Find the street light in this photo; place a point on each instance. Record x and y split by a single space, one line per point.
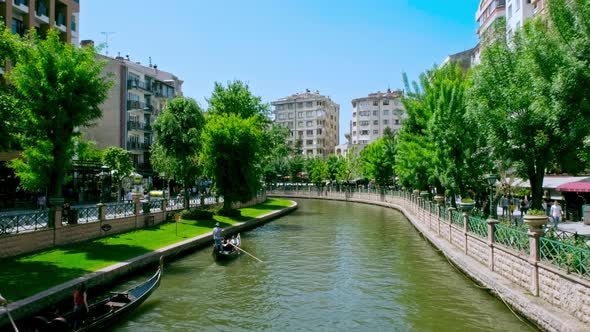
492 178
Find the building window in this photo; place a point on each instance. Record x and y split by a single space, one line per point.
385 112
354 123
376 122
290 124
282 116
291 133
385 122
510 11
291 115
309 114
320 113
299 114
309 104
309 142
353 114
364 123
385 102
290 106
375 131
300 124
309 123
300 105
375 103
517 5
375 113
354 133
354 105
319 131
309 132
300 133
279 108
396 121
18 28
364 132
365 113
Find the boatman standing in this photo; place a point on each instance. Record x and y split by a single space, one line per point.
217 236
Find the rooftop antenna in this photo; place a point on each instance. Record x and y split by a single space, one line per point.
107 34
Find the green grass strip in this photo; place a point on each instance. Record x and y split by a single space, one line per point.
27 275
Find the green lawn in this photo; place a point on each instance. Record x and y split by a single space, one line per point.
27 275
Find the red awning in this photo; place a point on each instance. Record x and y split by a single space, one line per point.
579 187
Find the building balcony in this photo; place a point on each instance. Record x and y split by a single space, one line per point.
133 145
136 105
137 84
136 125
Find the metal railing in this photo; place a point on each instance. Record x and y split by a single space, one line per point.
22 222
86 214
567 256
119 210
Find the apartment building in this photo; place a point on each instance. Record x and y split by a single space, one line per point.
489 14
136 98
372 114
311 118
517 11
42 15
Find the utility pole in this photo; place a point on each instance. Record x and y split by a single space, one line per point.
107 34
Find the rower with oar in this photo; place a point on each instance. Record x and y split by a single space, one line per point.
244 251
3 303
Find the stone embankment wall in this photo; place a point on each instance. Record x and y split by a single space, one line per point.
552 298
31 241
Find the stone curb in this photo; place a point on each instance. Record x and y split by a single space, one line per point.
33 304
542 314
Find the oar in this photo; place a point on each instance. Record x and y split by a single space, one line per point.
245 252
10 317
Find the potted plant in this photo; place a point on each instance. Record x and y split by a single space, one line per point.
439 199
467 204
535 218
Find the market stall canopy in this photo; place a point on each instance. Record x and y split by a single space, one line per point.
579 187
553 182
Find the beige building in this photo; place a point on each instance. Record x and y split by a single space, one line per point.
311 118
372 114
63 15
137 96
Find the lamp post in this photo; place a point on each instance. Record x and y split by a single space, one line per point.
491 179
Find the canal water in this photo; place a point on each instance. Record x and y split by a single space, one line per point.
328 266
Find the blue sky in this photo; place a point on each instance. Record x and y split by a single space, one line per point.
344 49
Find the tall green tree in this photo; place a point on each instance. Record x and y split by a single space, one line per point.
414 158
318 171
275 161
236 98
351 167
59 87
378 160
178 131
457 166
10 45
231 156
526 97
119 162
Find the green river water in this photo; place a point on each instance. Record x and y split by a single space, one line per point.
328 266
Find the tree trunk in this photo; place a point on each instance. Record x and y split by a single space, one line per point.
186 202
226 203
536 182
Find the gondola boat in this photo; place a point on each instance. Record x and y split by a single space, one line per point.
228 251
105 312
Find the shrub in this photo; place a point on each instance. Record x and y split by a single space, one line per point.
230 213
197 214
535 212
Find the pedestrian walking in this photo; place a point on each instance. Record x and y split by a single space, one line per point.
504 204
556 213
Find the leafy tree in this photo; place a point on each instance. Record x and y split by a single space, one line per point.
237 99
334 163
318 171
378 159
178 131
86 150
350 168
296 167
59 87
120 164
526 97
9 109
231 156
414 157
275 162
457 166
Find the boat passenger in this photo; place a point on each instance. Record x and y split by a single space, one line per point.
3 300
80 305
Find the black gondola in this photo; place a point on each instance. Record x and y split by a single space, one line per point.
105 312
228 251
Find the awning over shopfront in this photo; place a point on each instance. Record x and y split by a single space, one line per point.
579 187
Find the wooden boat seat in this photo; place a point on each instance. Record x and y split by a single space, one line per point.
115 305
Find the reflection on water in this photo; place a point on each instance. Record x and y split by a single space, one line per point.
329 266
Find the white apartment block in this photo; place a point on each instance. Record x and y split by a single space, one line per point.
517 11
488 13
312 118
372 114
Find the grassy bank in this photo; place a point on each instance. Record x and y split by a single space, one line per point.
24 276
